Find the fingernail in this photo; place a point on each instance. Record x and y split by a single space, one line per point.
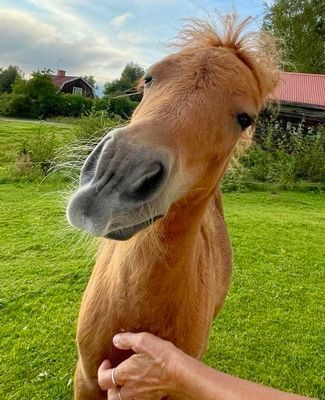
116 339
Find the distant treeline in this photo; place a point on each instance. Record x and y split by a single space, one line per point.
38 97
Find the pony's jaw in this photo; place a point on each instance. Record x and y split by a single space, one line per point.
124 187
128 232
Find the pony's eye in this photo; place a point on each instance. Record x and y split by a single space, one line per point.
147 80
244 120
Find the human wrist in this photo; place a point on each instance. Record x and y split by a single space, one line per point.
182 372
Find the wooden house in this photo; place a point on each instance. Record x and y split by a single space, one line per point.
72 84
301 96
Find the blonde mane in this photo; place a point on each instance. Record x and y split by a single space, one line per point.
255 49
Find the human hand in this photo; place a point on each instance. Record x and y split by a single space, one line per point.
151 373
159 369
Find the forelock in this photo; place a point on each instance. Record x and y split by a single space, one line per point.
255 49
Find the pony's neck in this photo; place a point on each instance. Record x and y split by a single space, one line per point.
170 245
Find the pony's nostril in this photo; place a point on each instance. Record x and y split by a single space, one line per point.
147 184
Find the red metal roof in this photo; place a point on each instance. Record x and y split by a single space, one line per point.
301 88
59 80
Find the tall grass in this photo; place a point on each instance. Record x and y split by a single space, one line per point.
287 156
278 156
95 124
281 156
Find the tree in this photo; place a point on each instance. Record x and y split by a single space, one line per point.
300 27
91 80
42 92
8 77
127 82
17 105
132 73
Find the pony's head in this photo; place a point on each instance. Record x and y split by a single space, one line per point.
197 104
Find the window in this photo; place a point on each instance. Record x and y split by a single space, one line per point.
77 90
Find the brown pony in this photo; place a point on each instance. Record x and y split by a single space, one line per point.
153 187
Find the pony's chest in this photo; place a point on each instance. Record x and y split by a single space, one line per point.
181 316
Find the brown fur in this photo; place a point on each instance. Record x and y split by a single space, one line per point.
172 278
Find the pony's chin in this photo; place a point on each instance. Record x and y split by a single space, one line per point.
127 233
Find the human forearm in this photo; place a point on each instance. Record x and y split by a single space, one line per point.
202 382
159 369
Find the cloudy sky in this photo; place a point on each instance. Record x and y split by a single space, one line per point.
98 37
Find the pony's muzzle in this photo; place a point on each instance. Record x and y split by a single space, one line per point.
135 172
119 181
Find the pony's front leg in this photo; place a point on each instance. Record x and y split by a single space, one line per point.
85 388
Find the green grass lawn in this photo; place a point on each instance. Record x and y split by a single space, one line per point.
271 329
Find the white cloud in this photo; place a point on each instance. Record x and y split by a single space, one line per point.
62 14
33 44
118 21
84 38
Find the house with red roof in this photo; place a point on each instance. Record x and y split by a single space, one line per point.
72 84
301 95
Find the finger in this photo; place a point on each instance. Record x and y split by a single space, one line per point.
137 342
105 375
112 394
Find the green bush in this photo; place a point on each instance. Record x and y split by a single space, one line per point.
71 105
309 156
8 77
280 157
287 156
235 179
101 104
121 106
36 157
17 105
38 98
42 91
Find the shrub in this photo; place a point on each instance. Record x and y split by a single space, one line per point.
121 106
42 91
235 179
308 154
38 154
287 156
280 157
38 97
71 105
101 104
17 105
